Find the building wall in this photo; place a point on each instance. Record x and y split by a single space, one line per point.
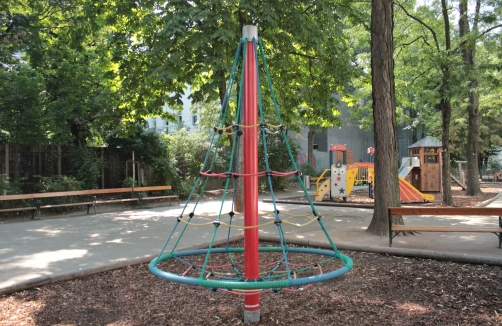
356 139
185 117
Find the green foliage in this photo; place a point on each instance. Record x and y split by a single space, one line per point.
428 71
306 48
22 116
307 169
9 188
165 173
58 183
129 182
146 144
160 153
85 166
67 96
188 151
278 159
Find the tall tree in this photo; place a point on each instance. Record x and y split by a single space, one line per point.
491 21
382 73
178 43
437 39
63 43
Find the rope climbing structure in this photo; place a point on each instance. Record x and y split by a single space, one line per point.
244 272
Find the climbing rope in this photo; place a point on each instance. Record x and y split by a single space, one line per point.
229 278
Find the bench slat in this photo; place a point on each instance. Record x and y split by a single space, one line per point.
109 201
152 188
67 205
17 209
445 211
82 192
160 197
91 192
425 228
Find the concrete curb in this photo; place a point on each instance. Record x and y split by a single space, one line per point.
42 280
282 201
427 254
489 201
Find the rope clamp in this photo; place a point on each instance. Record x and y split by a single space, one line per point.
278 222
235 126
228 174
216 223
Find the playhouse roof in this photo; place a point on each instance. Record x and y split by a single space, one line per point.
427 142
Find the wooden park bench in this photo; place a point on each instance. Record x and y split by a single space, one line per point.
86 198
142 197
395 229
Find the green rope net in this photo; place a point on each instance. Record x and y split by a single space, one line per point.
281 273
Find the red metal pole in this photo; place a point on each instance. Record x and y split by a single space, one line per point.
250 148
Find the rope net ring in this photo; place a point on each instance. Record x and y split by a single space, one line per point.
274 276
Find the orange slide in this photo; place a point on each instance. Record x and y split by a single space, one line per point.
409 193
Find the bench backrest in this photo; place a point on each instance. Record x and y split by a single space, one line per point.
445 211
82 192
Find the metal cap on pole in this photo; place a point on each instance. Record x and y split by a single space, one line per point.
250 31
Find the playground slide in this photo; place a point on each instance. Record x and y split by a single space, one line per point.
408 163
404 170
324 188
409 193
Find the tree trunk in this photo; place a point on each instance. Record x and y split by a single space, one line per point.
445 140
473 132
310 149
445 105
238 161
384 115
239 187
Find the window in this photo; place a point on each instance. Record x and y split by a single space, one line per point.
180 119
321 140
430 159
194 120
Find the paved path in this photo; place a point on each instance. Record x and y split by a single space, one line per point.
38 252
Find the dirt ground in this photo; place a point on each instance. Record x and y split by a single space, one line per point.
380 290
489 189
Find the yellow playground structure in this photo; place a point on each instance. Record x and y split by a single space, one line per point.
343 178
